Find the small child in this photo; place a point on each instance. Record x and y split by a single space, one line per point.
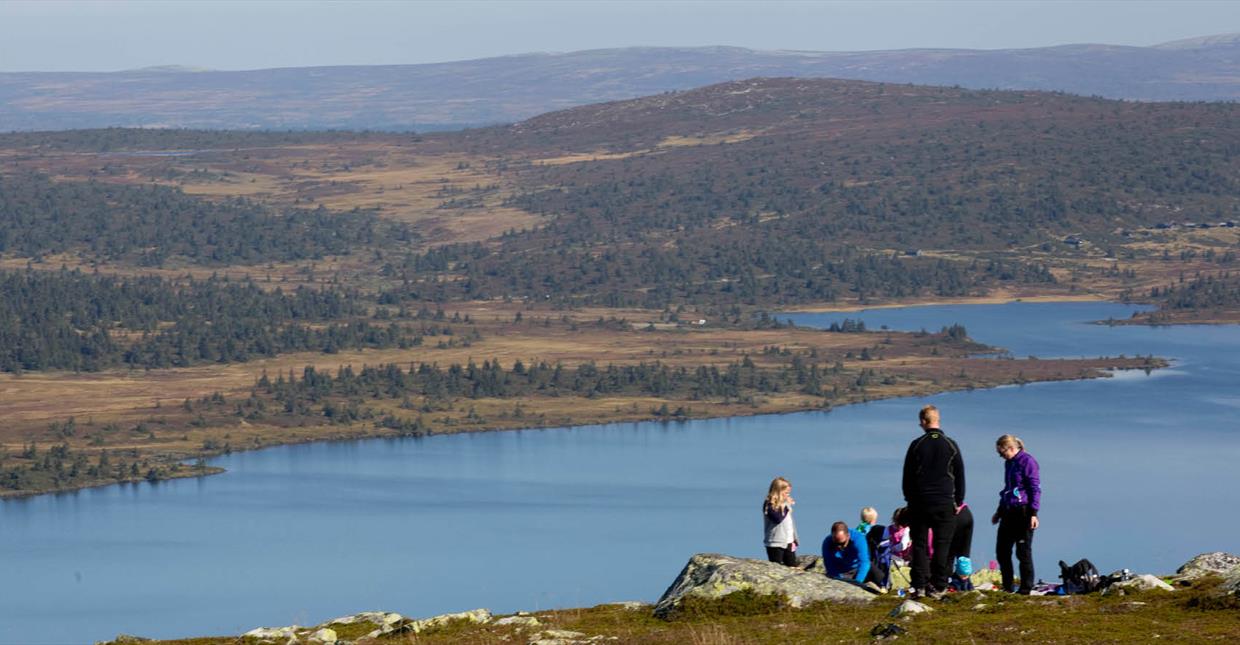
873 533
869 516
962 580
896 546
780 531
898 540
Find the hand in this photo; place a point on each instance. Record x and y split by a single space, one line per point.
1033 523
994 519
791 501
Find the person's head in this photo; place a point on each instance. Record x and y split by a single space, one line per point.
1008 446
777 494
839 532
964 567
869 515
900 516
929 418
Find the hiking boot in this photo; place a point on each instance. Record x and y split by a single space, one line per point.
936 594
873 588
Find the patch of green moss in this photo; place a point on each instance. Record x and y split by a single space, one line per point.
352 631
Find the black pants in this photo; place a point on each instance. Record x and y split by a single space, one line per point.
877 574
932 573
1014 531
783 556
962 540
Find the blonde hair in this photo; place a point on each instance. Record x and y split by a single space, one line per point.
929 414
774 495
869 515
1009 440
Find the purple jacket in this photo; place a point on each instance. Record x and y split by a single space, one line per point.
1022 484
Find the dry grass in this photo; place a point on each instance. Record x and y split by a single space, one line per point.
1001 618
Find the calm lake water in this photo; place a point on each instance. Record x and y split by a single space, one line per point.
1138 471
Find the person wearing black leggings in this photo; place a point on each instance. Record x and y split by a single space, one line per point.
1017 516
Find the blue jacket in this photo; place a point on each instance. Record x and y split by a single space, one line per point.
840 560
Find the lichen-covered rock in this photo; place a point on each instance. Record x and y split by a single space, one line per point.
378 618
474 616
566 637
281 634
522 621
711 576
323 635
811 563
1144 582
909 608
1231 582
1218 563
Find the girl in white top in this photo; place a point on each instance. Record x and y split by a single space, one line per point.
780 530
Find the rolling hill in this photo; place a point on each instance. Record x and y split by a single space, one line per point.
511 88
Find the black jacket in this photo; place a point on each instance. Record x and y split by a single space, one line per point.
933 471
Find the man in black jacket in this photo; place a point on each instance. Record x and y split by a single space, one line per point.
934 490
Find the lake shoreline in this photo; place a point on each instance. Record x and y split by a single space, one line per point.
1095 368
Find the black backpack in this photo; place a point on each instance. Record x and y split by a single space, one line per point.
1082 577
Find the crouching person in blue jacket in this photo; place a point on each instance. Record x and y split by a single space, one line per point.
845 554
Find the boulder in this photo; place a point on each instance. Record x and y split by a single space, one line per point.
1231 582
811 563
523 621
910 608
712 576
1144 582
378 618
323 635
1217 563
566 637
474 616
281 634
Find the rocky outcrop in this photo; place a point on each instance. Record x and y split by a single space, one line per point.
475 616
1144 582
364 626
1217 563
909 608
1231 582
707 576
567 637
712 576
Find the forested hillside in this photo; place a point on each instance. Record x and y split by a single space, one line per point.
792 190
150 224
69 320
760 192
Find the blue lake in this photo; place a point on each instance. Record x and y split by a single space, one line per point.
1139 471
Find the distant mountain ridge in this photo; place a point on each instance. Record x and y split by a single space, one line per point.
512 88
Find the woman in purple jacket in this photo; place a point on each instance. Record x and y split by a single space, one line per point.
1017 516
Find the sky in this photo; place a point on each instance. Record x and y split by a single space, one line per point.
107 35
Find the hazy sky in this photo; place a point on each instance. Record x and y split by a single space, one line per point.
224 34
